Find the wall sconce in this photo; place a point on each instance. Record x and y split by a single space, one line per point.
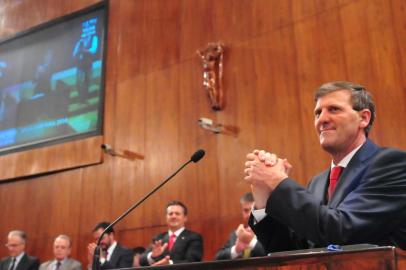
212 62
217 128
126 154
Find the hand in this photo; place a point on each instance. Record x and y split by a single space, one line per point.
244 234
262 176
90 252
164 261
158 248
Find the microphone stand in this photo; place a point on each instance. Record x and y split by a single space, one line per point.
96 255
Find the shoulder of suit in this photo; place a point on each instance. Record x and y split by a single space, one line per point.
390 155
191 233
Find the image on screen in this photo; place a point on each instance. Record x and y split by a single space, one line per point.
51 82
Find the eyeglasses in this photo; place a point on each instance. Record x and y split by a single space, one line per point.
13 245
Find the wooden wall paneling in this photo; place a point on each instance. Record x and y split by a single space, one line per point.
319 59
388 74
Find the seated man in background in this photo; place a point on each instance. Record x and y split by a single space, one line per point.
360 198
178 244
18 259
61 261
243 242
112 254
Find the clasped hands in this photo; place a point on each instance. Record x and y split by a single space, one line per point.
244 238
264 171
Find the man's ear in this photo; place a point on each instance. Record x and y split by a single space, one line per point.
365 118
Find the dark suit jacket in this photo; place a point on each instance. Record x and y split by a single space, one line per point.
26 263
368 206
188 247
121 258
225 252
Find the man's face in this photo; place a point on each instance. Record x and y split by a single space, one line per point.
106 241
339 126
246 211
175 217
61 248
15 245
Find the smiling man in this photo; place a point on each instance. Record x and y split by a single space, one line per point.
361 198
178 244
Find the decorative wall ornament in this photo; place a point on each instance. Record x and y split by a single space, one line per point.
212 62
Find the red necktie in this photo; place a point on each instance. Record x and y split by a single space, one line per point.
172 239
334 175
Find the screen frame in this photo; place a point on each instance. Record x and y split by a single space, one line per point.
99 130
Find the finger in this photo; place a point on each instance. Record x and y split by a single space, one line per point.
251 156
262 155
256 151
271 159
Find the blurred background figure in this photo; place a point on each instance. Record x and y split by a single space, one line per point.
62 249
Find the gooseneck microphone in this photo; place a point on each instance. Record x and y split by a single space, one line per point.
198 155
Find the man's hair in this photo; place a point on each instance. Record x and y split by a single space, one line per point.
18 233
360 97
177 203
103 225
247 198
65 237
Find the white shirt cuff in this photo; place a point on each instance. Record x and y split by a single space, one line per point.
258 214
234 253
149 257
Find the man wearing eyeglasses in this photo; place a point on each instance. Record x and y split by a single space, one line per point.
18 259
360 198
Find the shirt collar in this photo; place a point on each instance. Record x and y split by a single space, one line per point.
19 257
177 232
344 162
111 249
62 261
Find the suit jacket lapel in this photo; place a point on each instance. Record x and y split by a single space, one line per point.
23 263
115 255
179 241
320 187
351 175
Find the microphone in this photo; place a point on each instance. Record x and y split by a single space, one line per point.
198 155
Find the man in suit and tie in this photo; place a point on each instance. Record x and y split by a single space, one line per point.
242 243
112 254
361 198
18 259
178 244
62 250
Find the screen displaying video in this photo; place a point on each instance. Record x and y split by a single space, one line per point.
51 82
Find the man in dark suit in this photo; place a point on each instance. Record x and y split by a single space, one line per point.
178 244
62 249
242 242
18 259
365 204
112 254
